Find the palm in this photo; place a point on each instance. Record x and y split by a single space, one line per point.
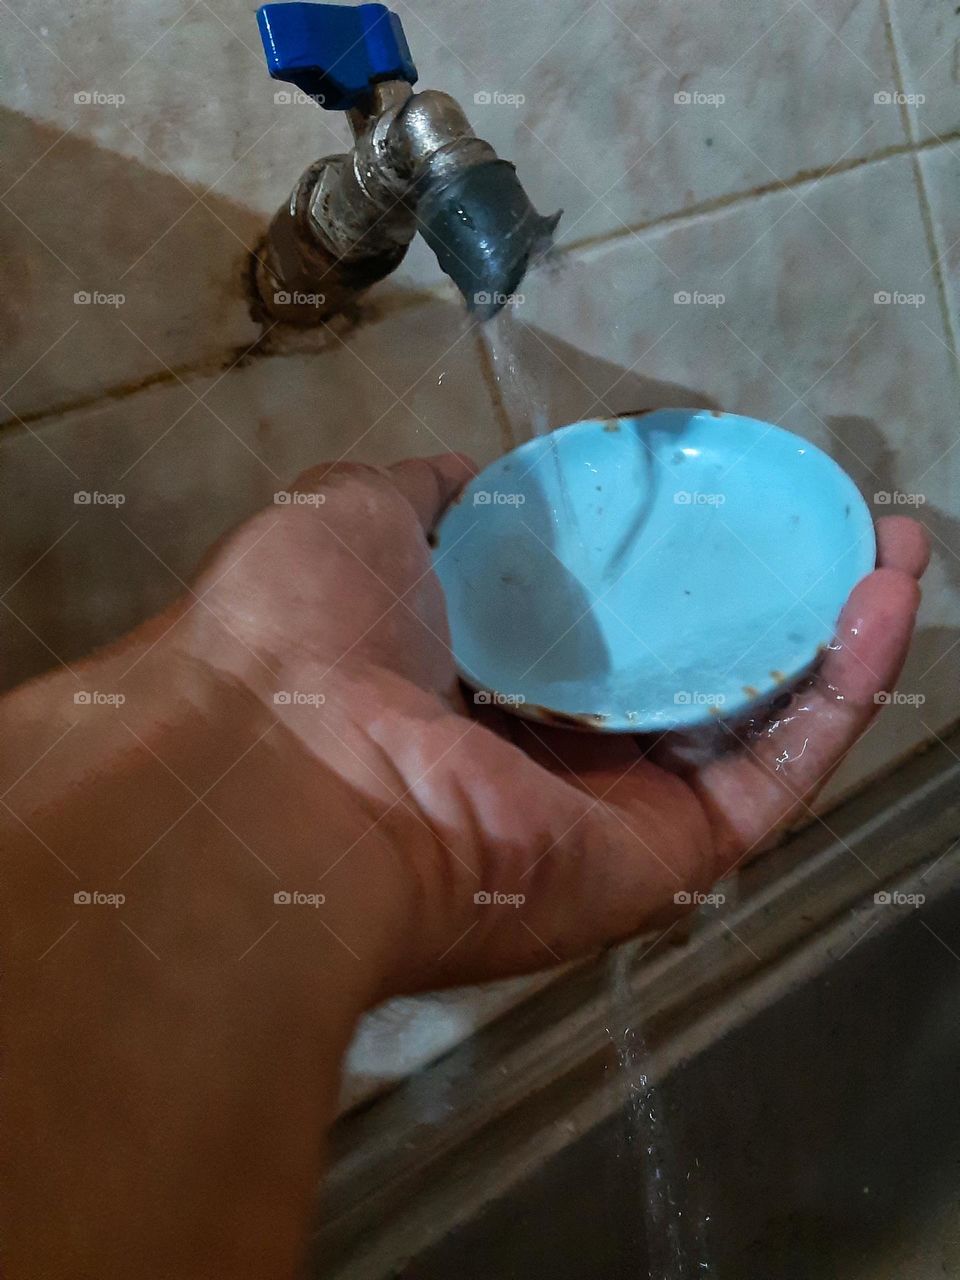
598 833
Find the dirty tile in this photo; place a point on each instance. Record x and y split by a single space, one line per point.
814 309
927 38
111 273
190 460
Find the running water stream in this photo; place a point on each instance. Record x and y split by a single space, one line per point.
673 1237
525 401
673 1244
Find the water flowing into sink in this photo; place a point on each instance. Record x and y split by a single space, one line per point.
673 1237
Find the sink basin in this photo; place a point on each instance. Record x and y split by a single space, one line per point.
819 1140
805 1044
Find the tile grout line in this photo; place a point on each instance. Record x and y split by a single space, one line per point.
383 309
424 295
806 177
930 228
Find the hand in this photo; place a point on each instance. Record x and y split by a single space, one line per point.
295 724
334 594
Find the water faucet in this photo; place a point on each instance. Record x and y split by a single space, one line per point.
416 165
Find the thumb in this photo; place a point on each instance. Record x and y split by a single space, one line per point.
431 484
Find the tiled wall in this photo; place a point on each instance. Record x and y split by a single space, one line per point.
798 159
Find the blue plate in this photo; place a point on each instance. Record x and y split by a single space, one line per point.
649 572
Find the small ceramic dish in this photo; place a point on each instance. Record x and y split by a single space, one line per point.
650 572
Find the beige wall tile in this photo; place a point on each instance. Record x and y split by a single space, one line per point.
927 39
798 340
88 222
191 460
599 132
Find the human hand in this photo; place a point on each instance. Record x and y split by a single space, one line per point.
333 594
295 723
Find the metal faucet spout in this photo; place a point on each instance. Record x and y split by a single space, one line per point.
416 165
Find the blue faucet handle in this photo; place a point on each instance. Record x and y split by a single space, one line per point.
335 52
